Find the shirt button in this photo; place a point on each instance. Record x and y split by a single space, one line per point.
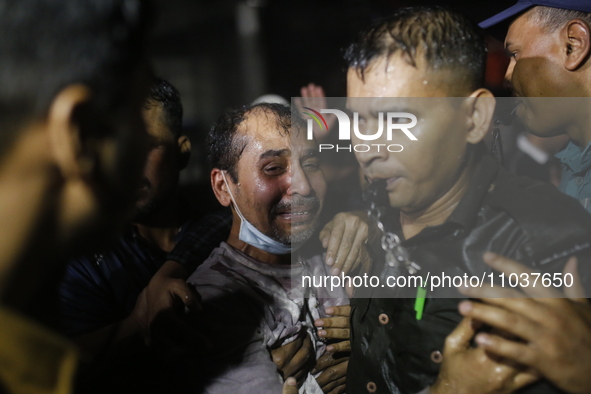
383 318
579 180
371 387
436 357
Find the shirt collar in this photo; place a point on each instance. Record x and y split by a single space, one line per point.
32 359
465 214
579 161
481 183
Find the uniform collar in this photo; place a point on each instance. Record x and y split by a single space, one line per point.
579 161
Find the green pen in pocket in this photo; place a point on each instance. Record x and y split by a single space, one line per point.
420 301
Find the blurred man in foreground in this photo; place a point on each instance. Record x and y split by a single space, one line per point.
72 146
116 301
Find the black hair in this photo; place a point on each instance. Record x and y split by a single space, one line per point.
46 45
225 148
444 39
166 95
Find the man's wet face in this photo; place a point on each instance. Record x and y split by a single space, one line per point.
280 185
427 168
161 172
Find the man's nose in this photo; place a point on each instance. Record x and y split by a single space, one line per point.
376 152
298 182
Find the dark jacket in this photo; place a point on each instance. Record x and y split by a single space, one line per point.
526 220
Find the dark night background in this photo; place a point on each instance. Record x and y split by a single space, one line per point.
223 53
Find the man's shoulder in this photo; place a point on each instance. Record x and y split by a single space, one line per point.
220 274
551 220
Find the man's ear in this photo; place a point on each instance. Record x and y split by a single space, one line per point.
220 188
185 150
481 107
64 125
575 37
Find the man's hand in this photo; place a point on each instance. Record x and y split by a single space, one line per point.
333 372
290 386
334 363
336 327
296 358
345 240
469 370
313 97
554 333
160 308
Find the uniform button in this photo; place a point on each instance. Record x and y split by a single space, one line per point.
371 387
436 356
579 180
383 318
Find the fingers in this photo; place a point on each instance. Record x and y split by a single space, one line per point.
338 390
365 258
335 333
345 248
337 322
327 360
525 378
461 336
290 386
490 292
354 253
282 355
505 348
331 386
517 324
301 362
534 309
343 346
508 266
339 310
347 238
334 374
325 234
334 241
187 294
576 292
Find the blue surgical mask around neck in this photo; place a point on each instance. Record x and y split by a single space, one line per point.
252 236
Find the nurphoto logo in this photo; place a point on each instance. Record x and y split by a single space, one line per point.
394 122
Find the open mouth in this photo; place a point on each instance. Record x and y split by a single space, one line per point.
392 182
299 215
385 183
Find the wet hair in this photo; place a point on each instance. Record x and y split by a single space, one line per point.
165 94
551 19
444 39
46 45
225 147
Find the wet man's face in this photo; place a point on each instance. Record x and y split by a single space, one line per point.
427 168
280 186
